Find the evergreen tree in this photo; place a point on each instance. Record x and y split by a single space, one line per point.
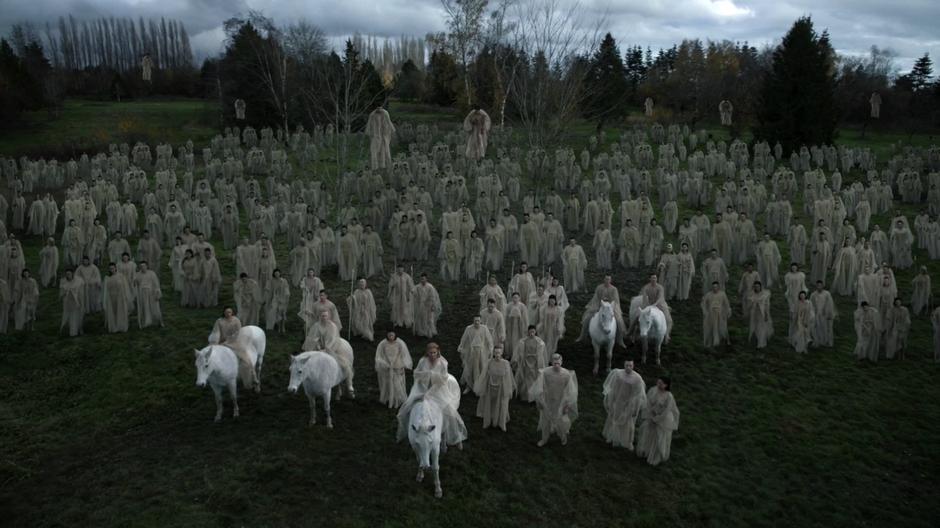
606 85
796 104
443 79
409 84
921 73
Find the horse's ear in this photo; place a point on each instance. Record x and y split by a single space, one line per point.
209 352
196 351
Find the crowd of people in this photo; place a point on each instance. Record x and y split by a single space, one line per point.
667 202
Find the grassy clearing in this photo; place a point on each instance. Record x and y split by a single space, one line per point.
90 126
109 430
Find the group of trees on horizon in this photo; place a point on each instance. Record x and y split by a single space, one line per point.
536 64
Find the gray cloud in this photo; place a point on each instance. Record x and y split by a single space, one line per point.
907 27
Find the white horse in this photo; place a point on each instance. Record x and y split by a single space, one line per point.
319 373
652 323
425 423
217 366
603 330
343 354
253 339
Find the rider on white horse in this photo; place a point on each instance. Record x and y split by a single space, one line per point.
654 294
604 292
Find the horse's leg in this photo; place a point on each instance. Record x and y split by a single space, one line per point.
645 343
312 400
258 365
597 356
435 467
339 392
659 347
349 382
217 392
326 409
233 392
420 476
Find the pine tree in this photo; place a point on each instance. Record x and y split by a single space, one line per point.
796 104
606 84
921 73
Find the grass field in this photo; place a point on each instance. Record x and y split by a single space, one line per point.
90 126
109 430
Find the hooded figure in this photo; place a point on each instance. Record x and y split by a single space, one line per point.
495 386
379 128
555 392
391 360
477 126
624 399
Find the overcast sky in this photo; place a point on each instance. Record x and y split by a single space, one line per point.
909 27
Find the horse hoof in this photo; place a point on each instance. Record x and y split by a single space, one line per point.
658 364
420 477
329 425
438 493
217 419
257 389
311 423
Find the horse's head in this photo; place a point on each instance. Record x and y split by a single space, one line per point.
645 321
424 434
606 310
203 367
297 371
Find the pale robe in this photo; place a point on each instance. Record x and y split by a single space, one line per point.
920 298
379 129
745 287
312 311
92 279
477 125
495 292
323 335
517 323
494 386
391 360
523 284
433 383
362 313
496 324
556 395
530 358
868 333
686 272
116 300
476 347
658 420
896 328
822 335
716 309
248 300
624 399
400 287
49 265
802 324
551 327
761 325
714 270
575 263
227 330
148 295
276 301
25 302
768 262
427 309
72 293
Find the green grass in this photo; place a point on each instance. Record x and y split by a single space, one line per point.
109 430
89 126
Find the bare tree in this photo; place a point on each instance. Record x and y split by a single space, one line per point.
268 63
465 20
342 97
552 36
